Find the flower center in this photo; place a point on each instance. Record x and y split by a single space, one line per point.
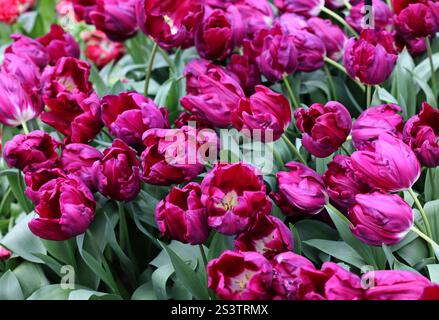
170 23
240 282
229 201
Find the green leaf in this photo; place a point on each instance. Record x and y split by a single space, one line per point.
144 292
188 277
404 85
31 277
17 186
414 252
10 287
393 262
85 294
433 271
219 244
51 292
431 209
168 96
159 280
296 239
432 184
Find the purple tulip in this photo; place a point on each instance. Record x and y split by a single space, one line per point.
245 71
181 216
418 19
391 165
331 35
324 127
306 8
29 48
35 180
301 191
375 121
117 175
59 43
310 49
421 132
382 16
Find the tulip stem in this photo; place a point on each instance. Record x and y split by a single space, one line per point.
149 68
347 5
433 73
330 82
343 69
425 237
423 215
294 149
340 20
290 93
25 128
277 157
368 96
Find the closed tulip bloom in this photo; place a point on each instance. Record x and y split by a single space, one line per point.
419 19
117 18
375 121
255 15
30 152
306 8
117 175
332 282
240 276
342 183
379 218
382 16
101 50
268 235
65 210
213 95
172 155
301 191
332 36
245 71
35 180
371 58
5 254
29 48
396 285
129 114
181 216
391 166
78 159
311 51
421 133
171 24
287 282
324 127
83 8
233 203
59 43
265 110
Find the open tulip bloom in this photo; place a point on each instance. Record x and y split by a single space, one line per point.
219 149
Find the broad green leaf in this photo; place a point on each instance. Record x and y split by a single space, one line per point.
51 292
296 239
159 280
85 294
10 287
433 271
394 263
219 244
414 252
144 292
432 211
31 277
432 184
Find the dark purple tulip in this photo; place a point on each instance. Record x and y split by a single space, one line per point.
35 180
30 49
419 19
331 35
59 43
382 16
245 71
306 8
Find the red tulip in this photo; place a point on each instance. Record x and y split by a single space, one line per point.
101 50
58 44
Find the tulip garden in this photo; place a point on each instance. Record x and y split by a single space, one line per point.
219 150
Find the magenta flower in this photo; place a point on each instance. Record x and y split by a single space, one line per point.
59 43
382 15
29 48
245 71
332 36
306 8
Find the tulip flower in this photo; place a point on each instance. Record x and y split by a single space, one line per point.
30 152
421 133
101 50
431 293
29 48
186 119
129 114
58 44
331 35
268 235
306 8
213 95
5 254
311 51
371 58
396 285
342 183
245 71
375 121
233 203
9 11
117 175
117 18
83 8
78 159
417 19
181 216
171 24
250 277
390 166
379 218
254 15
382 16
265 110
324 127
35 180
65 210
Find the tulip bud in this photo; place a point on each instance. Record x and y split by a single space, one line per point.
324 127
268 235
117 18
5 254
117 175
418 20
306 8
379 218
331 35
267 111
171 24
181 216
101 50
29 48
213 95
233 203
311 51
65 210
371 58
59 43
301 191
391 165
382 16
78 159
250 277
396 285
421 133
130 114
375 121
30 152
35 180
342 184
